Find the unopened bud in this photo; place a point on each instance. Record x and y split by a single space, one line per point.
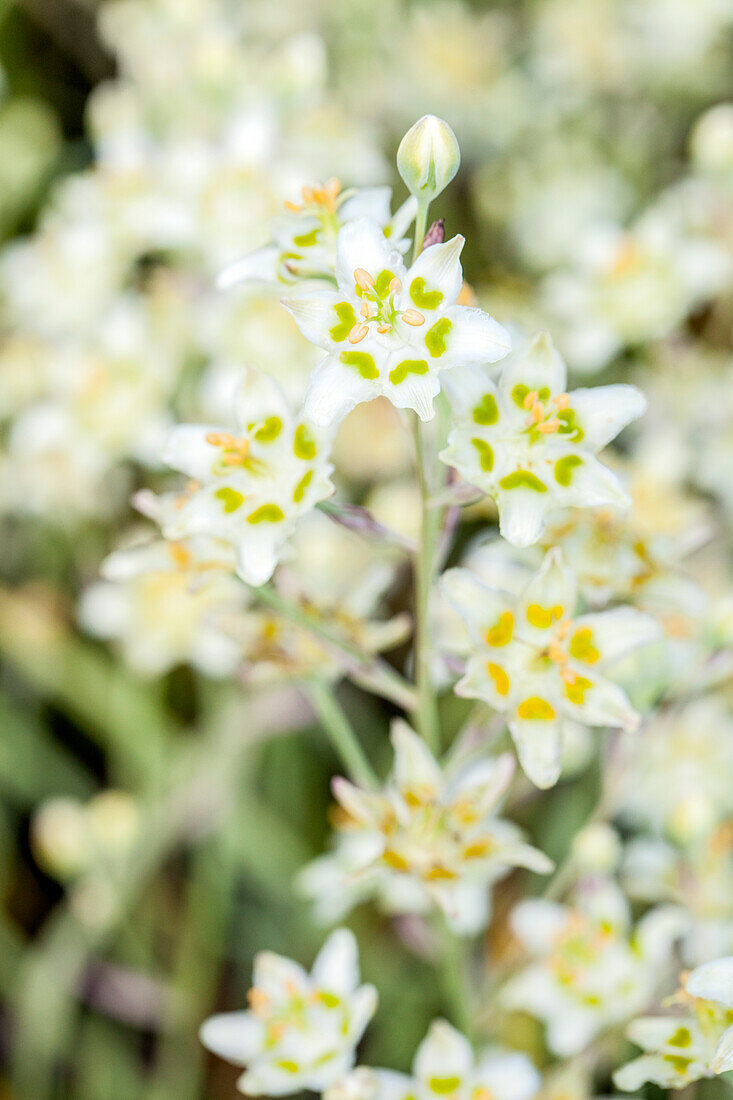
597 847
428 157
434 235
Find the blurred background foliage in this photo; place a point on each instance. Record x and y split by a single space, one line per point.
105 983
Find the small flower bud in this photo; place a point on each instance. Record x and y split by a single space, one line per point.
428 157
597 847
434 235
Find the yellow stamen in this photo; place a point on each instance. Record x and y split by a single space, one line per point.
395 286
293 207
384 328
412 317
363 279
357 333
531 399
562 400
549 426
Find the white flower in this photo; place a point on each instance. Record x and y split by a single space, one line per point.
304 238
445 1065
251 485
532 660
682 764
388 330
302 1029
427 839
162 602
681 1049
589 972
530 445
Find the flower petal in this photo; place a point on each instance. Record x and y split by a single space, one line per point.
435 279
336 968
334 390
539 747
474 337
611 634
603 411
414 764
443 1055
549 598
713 981
234 1036
535 368
313 313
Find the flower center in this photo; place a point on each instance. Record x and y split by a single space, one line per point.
235 449
543 418
324 197
378 304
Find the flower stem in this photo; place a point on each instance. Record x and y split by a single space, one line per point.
427 710
421 222
341 733
372 673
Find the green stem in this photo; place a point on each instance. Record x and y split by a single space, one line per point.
341 733
427 709
371 672
421 222
455 971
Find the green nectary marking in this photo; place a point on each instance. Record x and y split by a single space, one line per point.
536 709
330 1000
407 366
582 648
485 454
424 299
306 240
387 230
289 1067
382 281
444 1085
677 1062
230 498
564 469
362 361
266 513
270 430
681 1038
304 445
347 319
520 391
523 479
487 410
300 488
435 337
569 425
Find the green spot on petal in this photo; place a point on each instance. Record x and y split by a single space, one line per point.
485 454
362 361
564 469
681 1038
535 709
230 498
487 411
407 366
523 479
569 426
382 281
435 337
306 240
304 445
677 1062
347 319
266 513
424 299
444 1085
289 1067
270 430
300 488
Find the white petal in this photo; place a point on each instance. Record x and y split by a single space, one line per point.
723 1060
539 747
713 981
599 704
604 410
362 1006
652 1067
475 338
367 202
537 367
443 1053
537 923
362 243
549 597
571 1030
479 606
522 515
258 397
275 974
258 266
651 1033
508 1076
439 266
235 1036
188 451
336 968
415 391
257 557
334 390
105 610
616 632
414 764
313 313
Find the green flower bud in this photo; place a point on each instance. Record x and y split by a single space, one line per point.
428 157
